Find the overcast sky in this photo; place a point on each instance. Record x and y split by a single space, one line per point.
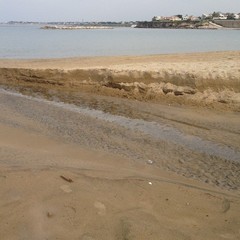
107 10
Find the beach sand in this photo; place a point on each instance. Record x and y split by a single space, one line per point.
201 79
77 173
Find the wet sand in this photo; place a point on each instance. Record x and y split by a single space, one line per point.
83 164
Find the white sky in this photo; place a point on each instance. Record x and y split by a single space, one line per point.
107 10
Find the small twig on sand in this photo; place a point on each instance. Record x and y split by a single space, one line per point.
66 179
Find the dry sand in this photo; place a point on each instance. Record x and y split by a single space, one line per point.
81 174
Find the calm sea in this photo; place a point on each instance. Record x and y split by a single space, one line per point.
29 41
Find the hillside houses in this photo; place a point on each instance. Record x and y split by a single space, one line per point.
175 18
161 18
221 16
211 16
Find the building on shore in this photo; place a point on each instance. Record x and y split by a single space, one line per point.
175 18
161 18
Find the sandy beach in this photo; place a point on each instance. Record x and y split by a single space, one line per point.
201 79
143 147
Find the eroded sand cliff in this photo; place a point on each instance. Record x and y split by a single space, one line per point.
206 79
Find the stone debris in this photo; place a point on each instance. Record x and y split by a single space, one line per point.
150 162
156 88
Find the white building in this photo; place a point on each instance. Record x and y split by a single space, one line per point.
204 16
174 18
220 17
185 18
236 16
157 18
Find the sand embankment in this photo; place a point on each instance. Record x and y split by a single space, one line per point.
198 79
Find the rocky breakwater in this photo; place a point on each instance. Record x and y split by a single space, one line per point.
64 27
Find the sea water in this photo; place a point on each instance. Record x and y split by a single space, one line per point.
30 41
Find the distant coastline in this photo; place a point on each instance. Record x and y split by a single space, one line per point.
215 20
207 24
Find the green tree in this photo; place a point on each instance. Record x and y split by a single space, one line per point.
230 16
216 14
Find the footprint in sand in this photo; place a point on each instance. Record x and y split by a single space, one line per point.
66 188
100 207
225 205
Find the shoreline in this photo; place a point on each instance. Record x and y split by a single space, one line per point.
117 59
209 79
